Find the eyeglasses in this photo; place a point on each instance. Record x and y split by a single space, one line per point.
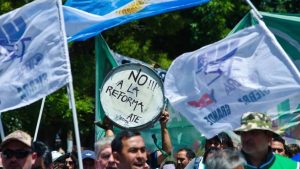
279 150
19 154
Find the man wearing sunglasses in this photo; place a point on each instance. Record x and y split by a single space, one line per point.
256 137
17 151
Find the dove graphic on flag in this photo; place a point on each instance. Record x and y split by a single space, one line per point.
34 58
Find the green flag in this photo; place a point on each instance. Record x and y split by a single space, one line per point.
104 63
285 27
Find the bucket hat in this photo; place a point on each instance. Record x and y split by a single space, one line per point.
255 121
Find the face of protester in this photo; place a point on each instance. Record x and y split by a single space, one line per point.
39 163
106 159
213 142
16 155
88 163
133 155
255 142
69 163
278 148
181 159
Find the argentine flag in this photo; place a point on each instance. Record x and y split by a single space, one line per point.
87 18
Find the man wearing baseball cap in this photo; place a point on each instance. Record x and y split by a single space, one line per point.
88 159
256 137
17 151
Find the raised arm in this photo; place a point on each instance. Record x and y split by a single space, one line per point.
107 125
166 140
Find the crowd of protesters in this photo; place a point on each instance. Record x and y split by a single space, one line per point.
261 148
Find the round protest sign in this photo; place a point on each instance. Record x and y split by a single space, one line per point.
132 96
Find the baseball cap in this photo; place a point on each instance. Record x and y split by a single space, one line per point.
88 154
17 135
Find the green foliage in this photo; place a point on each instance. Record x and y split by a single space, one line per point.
279 6
172 34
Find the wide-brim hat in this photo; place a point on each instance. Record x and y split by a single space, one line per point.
17 135
255 121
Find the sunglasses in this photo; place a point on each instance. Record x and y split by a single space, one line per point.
19 154
279 150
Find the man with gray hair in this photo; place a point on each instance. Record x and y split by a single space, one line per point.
225 159
17 151
256 137
104 156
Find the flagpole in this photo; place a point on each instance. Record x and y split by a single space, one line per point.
71 90
254 9
255 15
1 127
287 60
39 119
75 121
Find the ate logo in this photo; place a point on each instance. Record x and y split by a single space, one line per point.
12 41
203 101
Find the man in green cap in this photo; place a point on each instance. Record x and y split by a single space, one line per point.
256 137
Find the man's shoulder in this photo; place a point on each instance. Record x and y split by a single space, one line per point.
284 158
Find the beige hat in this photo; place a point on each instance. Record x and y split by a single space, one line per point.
255 121
17 135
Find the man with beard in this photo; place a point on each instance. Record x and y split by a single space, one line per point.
256 137
218 142
17 151
129 150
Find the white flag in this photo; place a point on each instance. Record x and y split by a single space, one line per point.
213 86
34 59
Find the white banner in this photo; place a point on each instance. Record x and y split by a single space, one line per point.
34 58
213 86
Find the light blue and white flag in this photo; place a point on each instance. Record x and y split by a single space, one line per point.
105 14
34 58
247 71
